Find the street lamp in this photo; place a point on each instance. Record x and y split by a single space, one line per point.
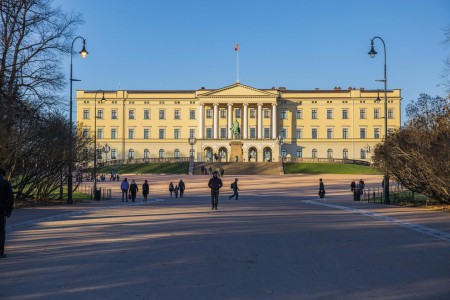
106 149
95 140
372 54
192 142
83 53
280 141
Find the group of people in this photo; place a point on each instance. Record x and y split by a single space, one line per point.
179 188
357 187
129 190
209 171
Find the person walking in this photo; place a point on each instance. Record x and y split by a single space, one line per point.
362 185
124 186
182 187
203 169
234 187
175 190
6 207
215 183
321 189
133 190
171 189
145 190
353 186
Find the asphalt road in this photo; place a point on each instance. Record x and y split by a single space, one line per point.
277 242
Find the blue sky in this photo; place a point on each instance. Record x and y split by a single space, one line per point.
174 44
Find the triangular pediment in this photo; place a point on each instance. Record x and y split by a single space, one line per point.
239 90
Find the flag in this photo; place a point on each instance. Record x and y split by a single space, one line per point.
236 48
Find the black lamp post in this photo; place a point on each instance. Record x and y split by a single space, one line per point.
372 54
83 53
280 141
95 140
192 142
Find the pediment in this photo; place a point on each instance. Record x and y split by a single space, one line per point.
239 90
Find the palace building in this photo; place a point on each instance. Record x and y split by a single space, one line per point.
313 124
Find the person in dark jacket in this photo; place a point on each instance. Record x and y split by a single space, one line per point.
133 190
6 206
145 190
171 189
182 187
352 186
321 189
235 188
215 183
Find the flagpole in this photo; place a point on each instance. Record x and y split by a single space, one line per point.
237 61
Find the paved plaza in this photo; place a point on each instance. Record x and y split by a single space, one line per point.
279 241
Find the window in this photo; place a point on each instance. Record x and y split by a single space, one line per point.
299 152
390 113
266 132
100 114
376 133
314 133
252 113
362 113
146 114
146 153
283 133
376 113
100 133
223 133
223 113
345 114
162 114
176 114
329 133
114 133
362 133
329 153
114 114
345 154
266 113
283 152
86 114
161 153
298 114
131 114
314 153
162 133
146 133
176 133
363 153
283 114
329 114
298 133
345 133
131 154
209 133
237 113
192 133
192 114
131 133
86 132
314 114
176 153
252 132
113 153
208 113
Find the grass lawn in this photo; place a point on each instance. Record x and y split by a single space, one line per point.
328 168
147 168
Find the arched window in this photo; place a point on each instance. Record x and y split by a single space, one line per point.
176 153
131 154
345 154
314 153
146 153
330 153
161 153
299 152
283 152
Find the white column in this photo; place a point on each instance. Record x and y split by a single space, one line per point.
216 120
259 121
245 125
274 121
200 121
230 120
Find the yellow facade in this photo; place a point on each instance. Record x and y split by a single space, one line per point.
338 124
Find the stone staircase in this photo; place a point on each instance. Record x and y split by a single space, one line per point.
241 168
